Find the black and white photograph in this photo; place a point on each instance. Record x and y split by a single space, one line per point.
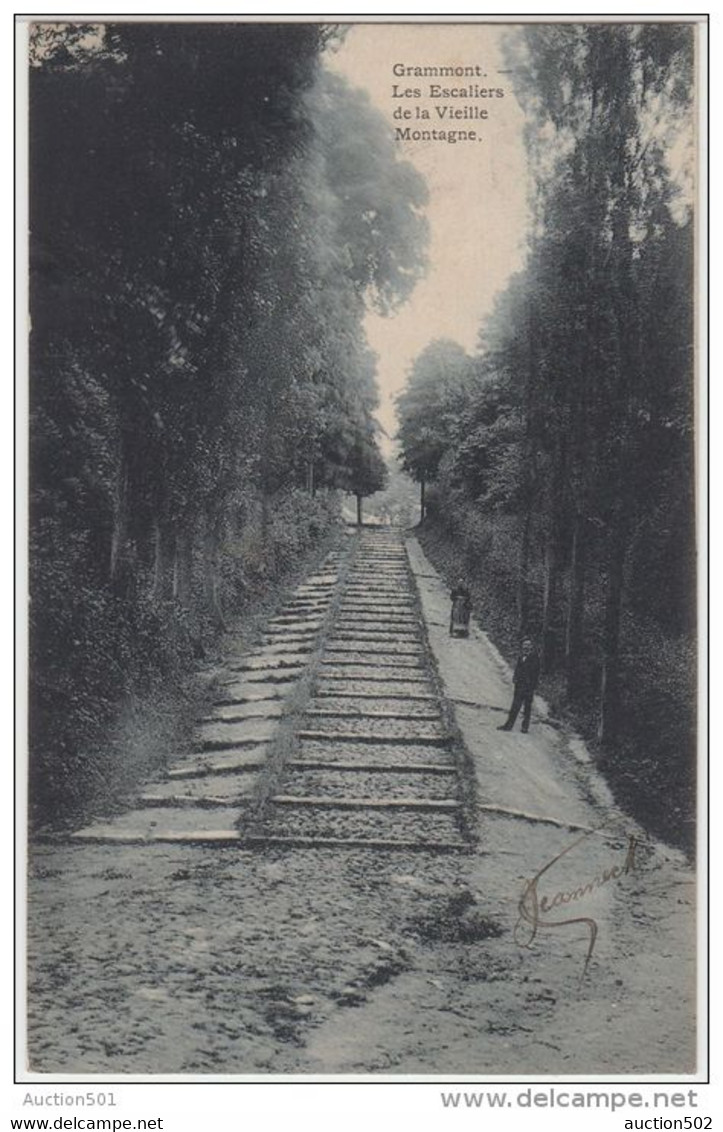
365 419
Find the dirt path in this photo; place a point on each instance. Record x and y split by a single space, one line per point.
195 954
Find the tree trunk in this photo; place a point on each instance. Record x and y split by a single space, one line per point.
264 517
359 510
163 561
550 603
422 502
523 595
183 570
212 572
609 719
628 365
119 558
557 507
574 628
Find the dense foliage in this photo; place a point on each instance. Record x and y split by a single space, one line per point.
563 452
211 214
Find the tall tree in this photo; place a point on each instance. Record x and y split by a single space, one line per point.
597 142
202 256
428 410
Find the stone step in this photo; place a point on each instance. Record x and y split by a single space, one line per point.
341 736
373 626
384 675
300 650
378 608
331 693
369 767
377 579
242 692
373 648
361 596
229 762
214 837
355 822
363 782
312 608
400 845
380 574
363 674
158 822
243 734
309 603
351 751
294 632
369 590
280 676
381 725
370 651
318 801
205 790
394 595
284 622
238 713
180 801
405 615
356 633
406 644
397 585
293 643
359 713
378 661
272 663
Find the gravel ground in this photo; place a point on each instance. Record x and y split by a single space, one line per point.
221 961
206 960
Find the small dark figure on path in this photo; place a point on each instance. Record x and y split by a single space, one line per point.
461 610
527 672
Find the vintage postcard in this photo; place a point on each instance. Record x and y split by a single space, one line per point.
366 389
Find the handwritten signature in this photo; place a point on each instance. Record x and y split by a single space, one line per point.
533 909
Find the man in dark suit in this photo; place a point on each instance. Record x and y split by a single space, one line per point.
527 672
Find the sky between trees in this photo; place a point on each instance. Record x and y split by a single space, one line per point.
477 208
